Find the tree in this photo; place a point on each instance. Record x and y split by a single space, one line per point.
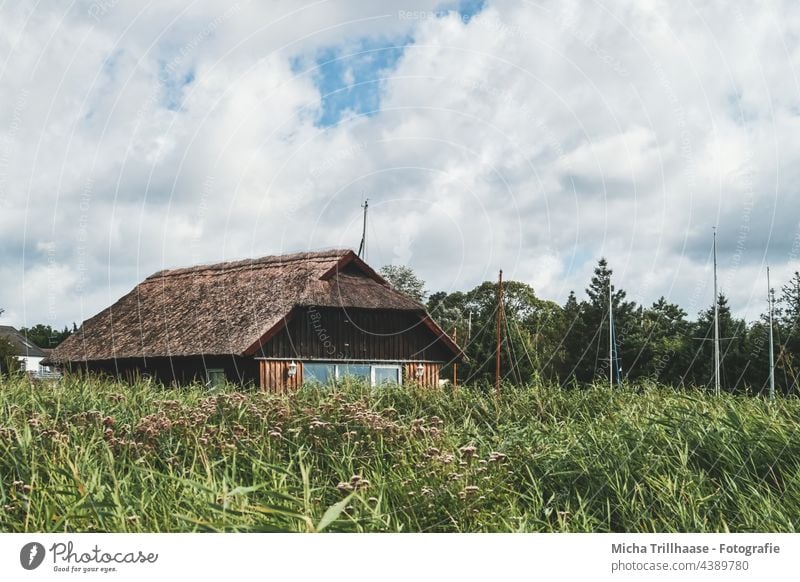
787 338
404 280
8 355
733 349
660 342
45 336
589 344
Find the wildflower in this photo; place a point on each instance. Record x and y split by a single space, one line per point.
344 487
469 491
109 421
496 457
467 452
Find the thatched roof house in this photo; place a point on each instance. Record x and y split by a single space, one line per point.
275 321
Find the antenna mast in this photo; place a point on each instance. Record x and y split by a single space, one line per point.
716 321
362 248
610 336
499 319
771 301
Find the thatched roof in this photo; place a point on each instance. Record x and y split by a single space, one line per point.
227 308
23 347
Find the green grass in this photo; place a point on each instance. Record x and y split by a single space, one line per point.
92 455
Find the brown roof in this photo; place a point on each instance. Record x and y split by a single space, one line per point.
226 307
21 344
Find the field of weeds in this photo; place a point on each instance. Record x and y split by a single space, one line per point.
91 455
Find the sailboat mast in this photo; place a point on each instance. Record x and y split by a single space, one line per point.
610 336
771 345
716 321
499 319
362 248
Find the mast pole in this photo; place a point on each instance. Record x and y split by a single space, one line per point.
499 318
610 336
716 321
455 366
770 301
362 248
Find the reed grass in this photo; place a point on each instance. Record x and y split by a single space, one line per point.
89 455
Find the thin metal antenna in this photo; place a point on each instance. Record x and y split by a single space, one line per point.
717 389
610 336
499 320
770 301
362 248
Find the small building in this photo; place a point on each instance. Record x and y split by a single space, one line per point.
30 355
276 322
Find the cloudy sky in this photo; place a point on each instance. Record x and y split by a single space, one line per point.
529 136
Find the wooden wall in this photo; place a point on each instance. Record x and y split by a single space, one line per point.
430 377
275 376
355 334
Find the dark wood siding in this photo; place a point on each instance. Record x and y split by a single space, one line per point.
178 370
355 334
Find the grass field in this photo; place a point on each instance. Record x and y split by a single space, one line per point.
91 455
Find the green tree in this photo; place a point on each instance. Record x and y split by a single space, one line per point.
530 336
787 338
734 357
589 346
45 336
660 343
405 280
8 355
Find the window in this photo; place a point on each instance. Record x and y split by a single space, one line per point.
375 374
320 373
357 371
216 378
385 375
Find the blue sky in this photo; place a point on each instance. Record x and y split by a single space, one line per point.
349 77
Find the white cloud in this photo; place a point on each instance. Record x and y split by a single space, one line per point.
533 138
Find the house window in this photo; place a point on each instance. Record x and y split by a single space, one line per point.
385 375
321 373
375 374
357 371
216 378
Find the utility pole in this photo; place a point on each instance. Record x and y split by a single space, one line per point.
362 248
499 318
771 301
716 321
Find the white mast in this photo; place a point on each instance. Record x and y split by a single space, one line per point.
771 349
716 321
362 248
610 336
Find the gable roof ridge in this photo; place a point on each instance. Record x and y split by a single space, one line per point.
242 264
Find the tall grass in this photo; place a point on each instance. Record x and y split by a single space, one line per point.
93 455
